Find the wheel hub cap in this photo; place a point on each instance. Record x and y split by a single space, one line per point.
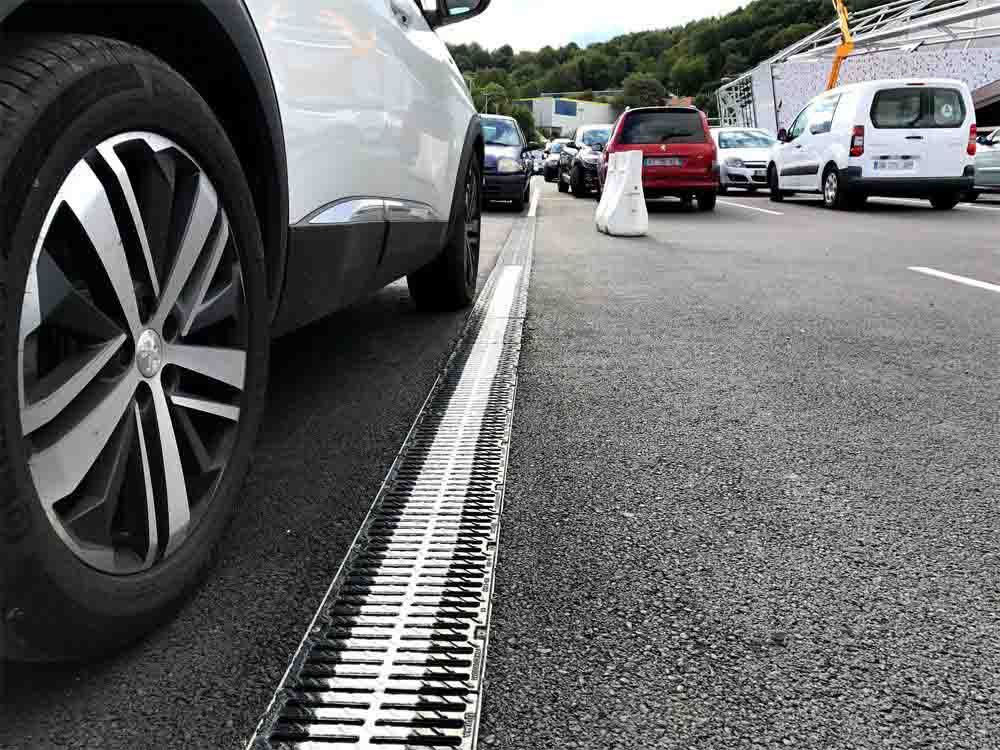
149 353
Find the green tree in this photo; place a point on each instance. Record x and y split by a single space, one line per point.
643 90
525 119
689 74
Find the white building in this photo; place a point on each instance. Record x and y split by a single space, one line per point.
902 39
561 116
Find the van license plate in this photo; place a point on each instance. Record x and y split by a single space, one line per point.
891 165
760 174
670 161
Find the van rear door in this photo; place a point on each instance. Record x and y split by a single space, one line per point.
916 131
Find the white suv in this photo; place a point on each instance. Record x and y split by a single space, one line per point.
906 138
180 182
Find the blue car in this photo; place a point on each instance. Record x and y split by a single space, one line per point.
508 165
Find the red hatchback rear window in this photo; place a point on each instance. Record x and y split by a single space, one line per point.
663 126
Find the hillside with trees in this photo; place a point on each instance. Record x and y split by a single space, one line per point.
686 60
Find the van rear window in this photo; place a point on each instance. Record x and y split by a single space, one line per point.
918 107
663 127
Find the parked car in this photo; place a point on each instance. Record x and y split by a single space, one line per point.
166 213
577 170
537 162
508 164
552 151
744 154
680 158
987 166
910 138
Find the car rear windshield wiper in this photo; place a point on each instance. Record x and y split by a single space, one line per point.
684 134
500 143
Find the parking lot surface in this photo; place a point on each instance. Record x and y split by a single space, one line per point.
752 498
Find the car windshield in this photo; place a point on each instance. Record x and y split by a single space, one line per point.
663 126
500 132
745 139
596 135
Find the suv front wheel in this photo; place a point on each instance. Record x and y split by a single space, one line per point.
133 340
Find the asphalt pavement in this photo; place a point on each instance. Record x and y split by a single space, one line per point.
754 484
752 500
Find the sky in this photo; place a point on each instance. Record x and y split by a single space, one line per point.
531 24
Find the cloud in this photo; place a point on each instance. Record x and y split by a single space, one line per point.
532 24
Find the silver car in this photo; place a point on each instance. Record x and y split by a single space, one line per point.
987 166
744 154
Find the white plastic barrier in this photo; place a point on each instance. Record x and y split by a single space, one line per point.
624 205
611 183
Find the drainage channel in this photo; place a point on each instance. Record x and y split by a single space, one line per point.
396 654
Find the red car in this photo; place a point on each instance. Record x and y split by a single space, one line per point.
680 157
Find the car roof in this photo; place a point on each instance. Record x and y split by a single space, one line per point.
595 127
664 108
497 117
894 82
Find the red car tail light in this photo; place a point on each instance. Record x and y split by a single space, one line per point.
971 148
858 141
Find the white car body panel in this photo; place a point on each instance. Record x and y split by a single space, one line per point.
931 153
371 102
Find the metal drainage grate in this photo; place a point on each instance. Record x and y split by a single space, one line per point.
395 655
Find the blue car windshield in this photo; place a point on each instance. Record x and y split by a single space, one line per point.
499 132
598 135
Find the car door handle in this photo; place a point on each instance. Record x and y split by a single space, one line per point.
914 137
798 145
401 15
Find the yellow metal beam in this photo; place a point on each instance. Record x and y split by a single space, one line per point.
846 46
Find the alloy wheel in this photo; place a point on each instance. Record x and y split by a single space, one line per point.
473 221
830 188
132 353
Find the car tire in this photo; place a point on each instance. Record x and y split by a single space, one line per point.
449 281
834 194
576 183
857 201
971 196
946 202
85 117
518 204
561 183
707 200
777 194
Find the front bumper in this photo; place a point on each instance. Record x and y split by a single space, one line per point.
743 176
504 187
906 187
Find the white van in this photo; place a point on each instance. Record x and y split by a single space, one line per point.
908 138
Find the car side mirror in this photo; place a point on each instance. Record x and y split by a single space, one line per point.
444 12
598 147
984 139
783 135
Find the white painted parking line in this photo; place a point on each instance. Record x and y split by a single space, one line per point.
953 277
536 195
753 208
926 204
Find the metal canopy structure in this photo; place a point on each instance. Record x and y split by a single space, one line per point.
905 25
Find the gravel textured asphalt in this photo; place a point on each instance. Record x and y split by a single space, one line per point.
754 485
343 393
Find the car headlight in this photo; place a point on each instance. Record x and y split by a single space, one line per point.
506 165
734 162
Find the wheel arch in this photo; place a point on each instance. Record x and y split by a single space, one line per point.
190 39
